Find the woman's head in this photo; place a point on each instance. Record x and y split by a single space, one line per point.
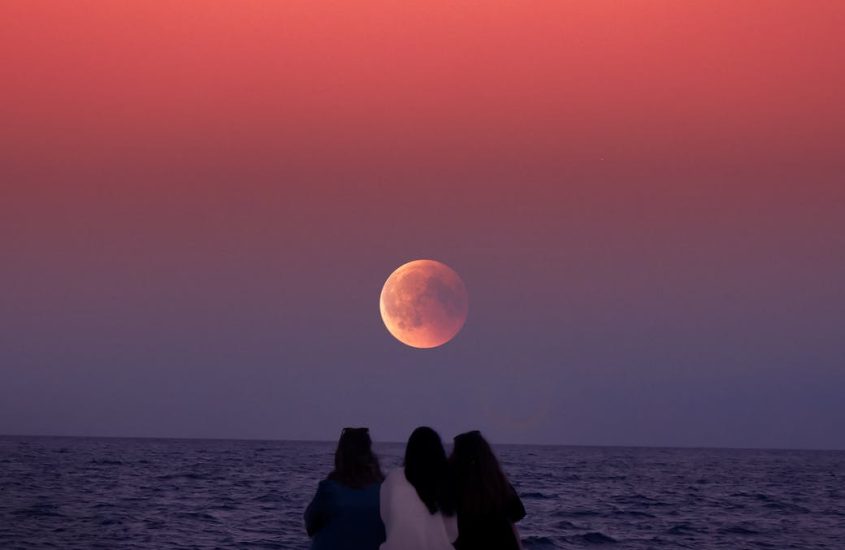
355 464
481 487
426 468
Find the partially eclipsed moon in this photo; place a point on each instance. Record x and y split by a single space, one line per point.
424 303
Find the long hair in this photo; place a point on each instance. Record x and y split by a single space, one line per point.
355 463
427 469
481 488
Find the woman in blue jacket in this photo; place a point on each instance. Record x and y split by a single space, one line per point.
344 514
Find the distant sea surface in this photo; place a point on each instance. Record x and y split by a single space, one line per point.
161 493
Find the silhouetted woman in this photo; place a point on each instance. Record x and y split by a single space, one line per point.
487 504
416 500
344 514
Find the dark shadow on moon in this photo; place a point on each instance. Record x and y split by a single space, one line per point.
448 296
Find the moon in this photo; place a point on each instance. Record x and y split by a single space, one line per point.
424 303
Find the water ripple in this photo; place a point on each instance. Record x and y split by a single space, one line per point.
149 494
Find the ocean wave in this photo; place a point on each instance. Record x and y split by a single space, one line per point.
595 537
145 495
538 542
576 513
538 495
738 530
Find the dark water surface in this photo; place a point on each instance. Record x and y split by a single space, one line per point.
148 493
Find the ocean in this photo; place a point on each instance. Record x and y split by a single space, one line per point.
207 494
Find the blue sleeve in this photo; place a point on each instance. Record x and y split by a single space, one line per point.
317 512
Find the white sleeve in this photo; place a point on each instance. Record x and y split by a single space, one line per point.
384 501
451 524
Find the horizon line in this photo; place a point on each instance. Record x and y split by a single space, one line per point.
581 445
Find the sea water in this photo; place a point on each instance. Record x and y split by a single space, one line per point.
165 493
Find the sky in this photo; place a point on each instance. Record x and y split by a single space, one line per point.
200 202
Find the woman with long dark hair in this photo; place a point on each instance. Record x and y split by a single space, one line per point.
487 504
417 505
344 514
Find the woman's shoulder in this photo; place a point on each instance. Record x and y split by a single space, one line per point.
394 479
327 484
333 485
395 475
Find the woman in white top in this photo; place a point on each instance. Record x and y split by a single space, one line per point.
417 502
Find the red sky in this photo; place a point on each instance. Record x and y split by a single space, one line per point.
432 83
255 169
